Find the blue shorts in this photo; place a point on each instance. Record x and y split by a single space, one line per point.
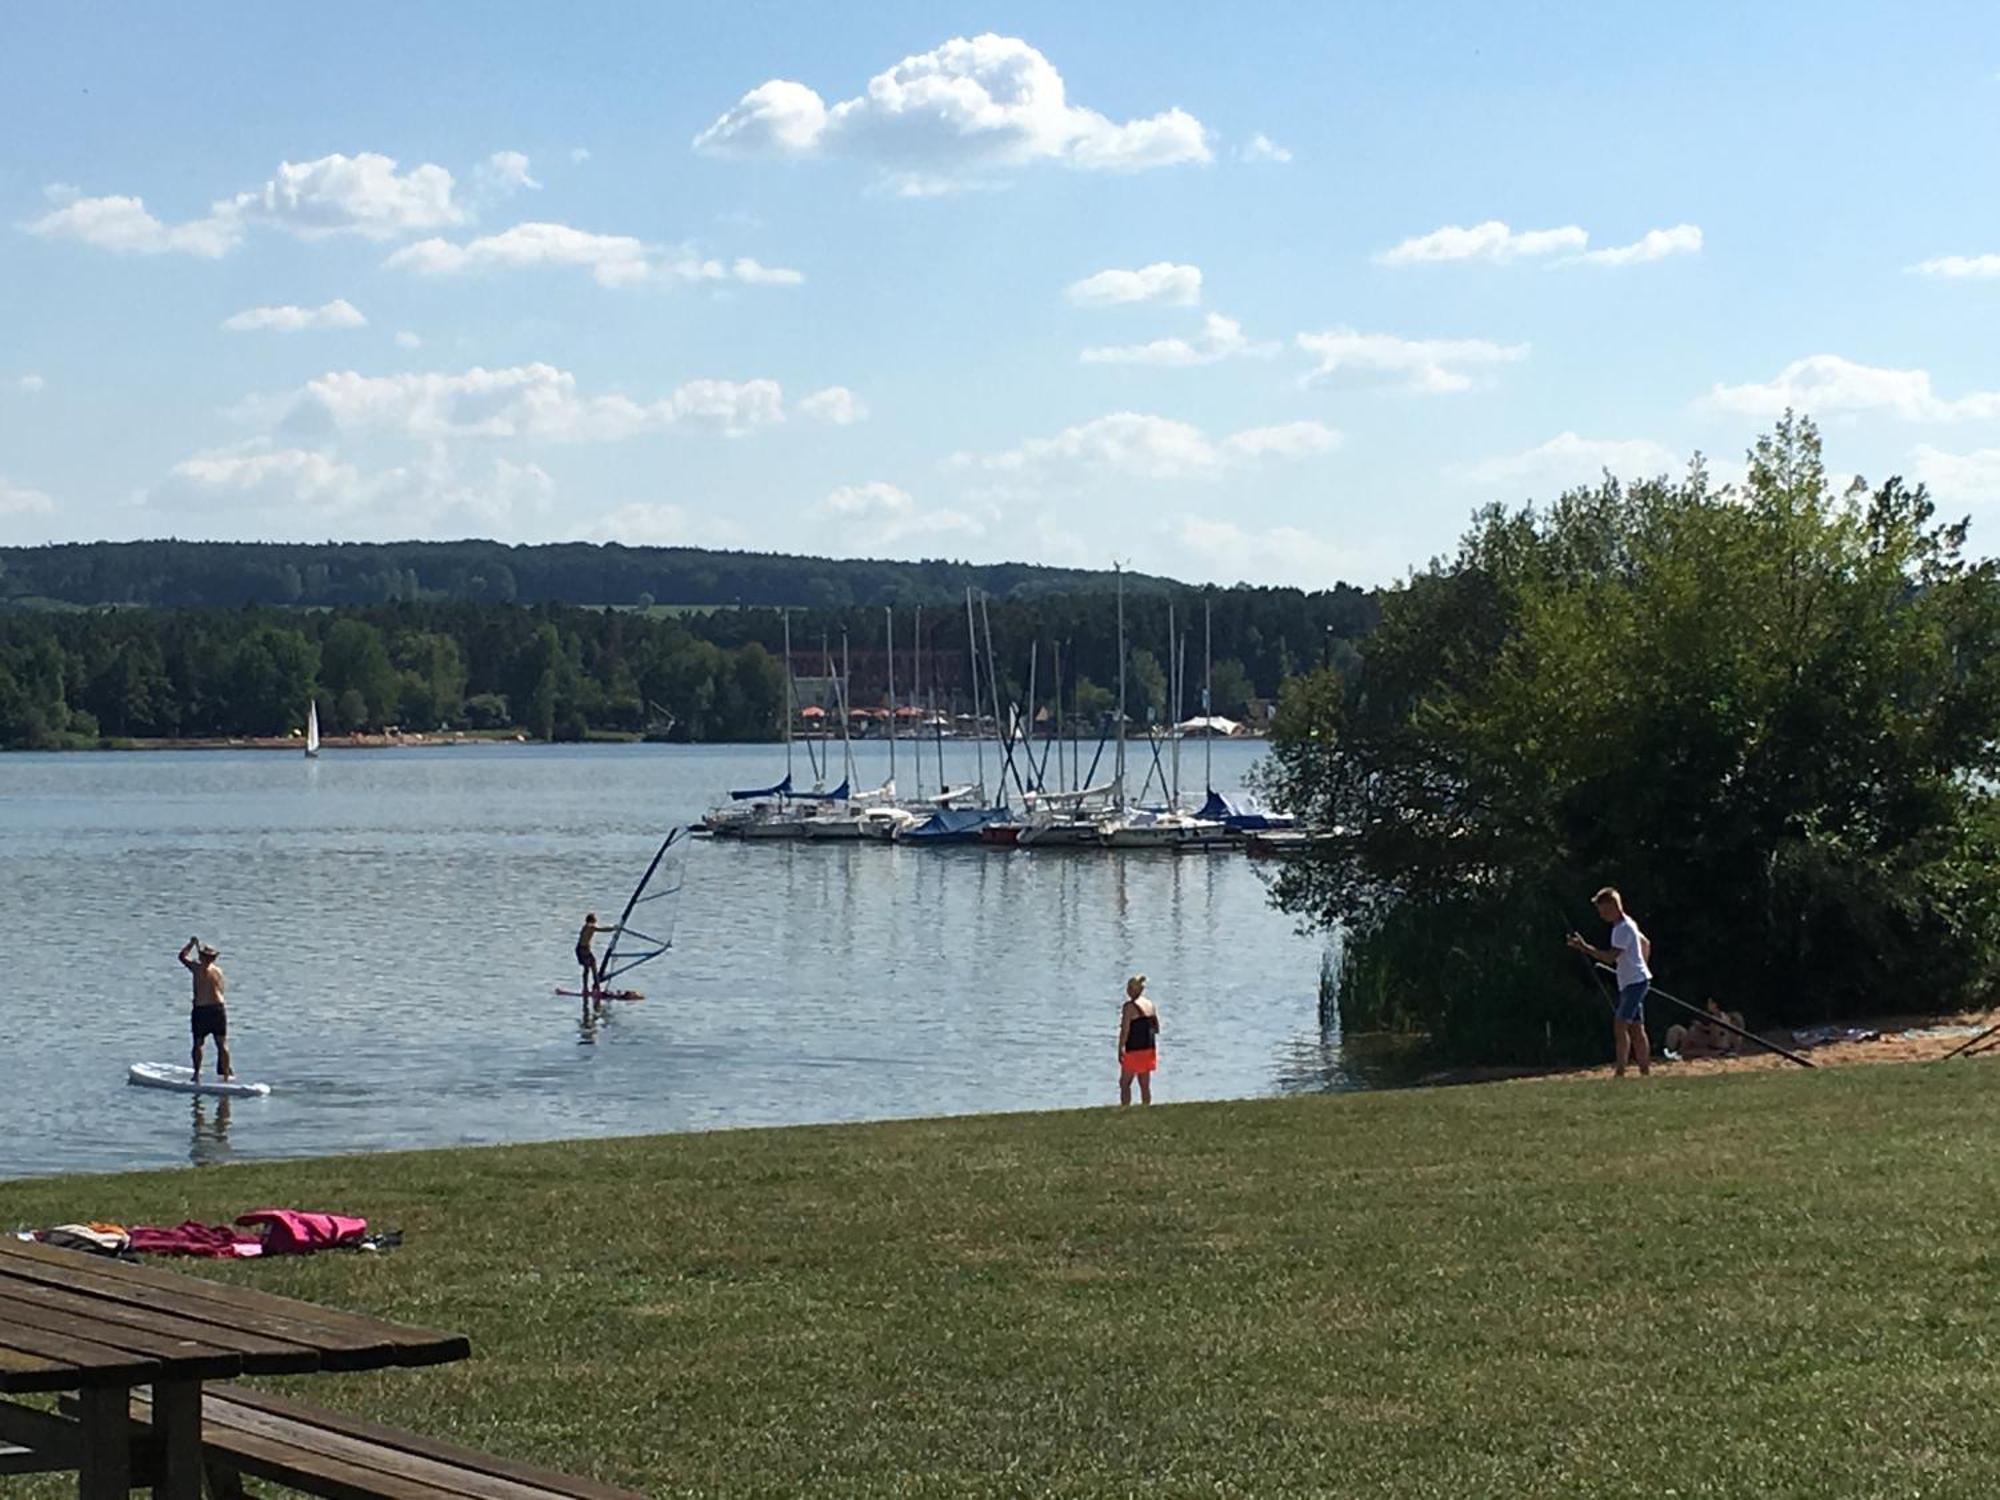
1632 1001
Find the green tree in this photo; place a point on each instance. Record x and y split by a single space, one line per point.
267 682
1230 689
1770 715
1146 689
354 661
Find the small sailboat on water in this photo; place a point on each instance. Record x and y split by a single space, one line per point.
312 729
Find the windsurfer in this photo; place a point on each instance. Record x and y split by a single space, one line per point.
208 1018
586 955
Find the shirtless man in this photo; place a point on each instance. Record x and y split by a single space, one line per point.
586 956
208 1018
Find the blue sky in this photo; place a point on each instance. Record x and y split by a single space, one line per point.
1274 293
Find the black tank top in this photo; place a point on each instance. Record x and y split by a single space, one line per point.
1140 1032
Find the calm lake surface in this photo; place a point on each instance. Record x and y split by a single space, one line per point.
393 924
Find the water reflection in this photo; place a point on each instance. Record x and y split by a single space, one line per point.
210 1144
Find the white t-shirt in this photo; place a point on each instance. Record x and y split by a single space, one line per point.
1631 945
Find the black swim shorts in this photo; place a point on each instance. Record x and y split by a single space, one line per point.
209 1021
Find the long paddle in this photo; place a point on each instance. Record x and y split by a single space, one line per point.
1715 1020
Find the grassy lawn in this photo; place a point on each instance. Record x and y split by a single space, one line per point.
1771 1285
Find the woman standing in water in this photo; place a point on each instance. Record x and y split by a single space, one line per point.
1138 1042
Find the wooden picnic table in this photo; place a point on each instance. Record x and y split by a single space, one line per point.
100 1329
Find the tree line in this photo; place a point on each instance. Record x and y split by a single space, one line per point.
191 574
558 671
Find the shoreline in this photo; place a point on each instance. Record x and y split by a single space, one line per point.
1895 1039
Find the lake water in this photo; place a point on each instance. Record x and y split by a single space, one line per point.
393 924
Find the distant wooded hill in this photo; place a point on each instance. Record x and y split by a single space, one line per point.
176 574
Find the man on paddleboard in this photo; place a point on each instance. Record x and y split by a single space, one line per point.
208 1019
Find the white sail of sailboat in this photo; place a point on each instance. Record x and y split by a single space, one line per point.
312 727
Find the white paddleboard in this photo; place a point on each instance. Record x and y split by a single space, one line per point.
181 1080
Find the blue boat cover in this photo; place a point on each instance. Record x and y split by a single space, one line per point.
952 824
1243 813
782 789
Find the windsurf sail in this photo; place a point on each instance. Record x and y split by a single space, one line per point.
655 902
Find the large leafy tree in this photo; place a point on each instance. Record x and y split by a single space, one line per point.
1769 712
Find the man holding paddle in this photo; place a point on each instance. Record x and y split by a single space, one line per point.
208 1018
1631 953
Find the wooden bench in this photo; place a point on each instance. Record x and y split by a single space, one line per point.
344 1458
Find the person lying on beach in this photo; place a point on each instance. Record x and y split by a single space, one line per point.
208 1018
1703 1038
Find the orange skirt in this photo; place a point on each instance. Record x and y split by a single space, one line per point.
1144 1060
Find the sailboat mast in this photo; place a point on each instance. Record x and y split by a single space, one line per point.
1207 695
1119 572
1003 735
789 715
1028 734
972 649
917 693
889 635
846 714
1174 703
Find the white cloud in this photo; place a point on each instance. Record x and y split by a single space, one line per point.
614 260
1827 384
1654 244
1230 553
1220 338
1421 366
1285 440
970 105
408 340
525 401
362 194
336 194
32 385
743 268
19 500
1263 148
1140 446
1567 459
304 492
876 515
1492 240
504 173
1959 478
1960 266
875 497
579 154
777 118
1163 281
123 225
836 405
339 313
292 476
